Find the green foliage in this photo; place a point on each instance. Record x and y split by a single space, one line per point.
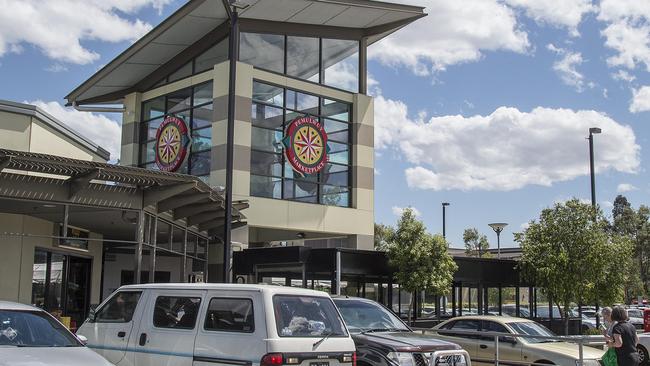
571 255
476 244
383 234
421 260
593 331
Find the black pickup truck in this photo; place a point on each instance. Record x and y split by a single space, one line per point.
383 339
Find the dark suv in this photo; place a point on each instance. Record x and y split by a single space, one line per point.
383 339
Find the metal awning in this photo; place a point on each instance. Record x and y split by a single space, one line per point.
353 19
27 175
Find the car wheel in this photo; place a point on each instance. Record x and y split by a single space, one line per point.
643 355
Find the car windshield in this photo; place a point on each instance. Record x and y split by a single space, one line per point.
635 313
534 329
307 316
33 329
364 316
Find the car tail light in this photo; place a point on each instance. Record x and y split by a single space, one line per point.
351 358
272 359
354 359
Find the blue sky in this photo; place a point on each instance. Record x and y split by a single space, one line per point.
484 103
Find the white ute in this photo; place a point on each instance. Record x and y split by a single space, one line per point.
219 324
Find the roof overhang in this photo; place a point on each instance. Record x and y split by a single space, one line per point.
193 22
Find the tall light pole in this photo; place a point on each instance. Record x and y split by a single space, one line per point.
444 223
592 131
498 228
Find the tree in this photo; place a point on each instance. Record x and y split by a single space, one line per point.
573 257
383 234
476 244
421 260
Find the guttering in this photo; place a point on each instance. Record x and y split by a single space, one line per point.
98 109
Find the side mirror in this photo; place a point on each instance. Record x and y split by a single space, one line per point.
510 340
82 339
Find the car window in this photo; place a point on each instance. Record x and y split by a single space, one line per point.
119 309
307 316
362 316
33 329
464 325
176 312
230 315
489 326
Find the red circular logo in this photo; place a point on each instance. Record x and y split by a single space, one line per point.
171 144
305 145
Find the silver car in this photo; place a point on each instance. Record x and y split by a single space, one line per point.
30 336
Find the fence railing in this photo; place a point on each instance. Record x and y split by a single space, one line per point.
580 341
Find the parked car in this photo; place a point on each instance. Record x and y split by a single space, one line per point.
636 317
30 336
529 349
186 324
383 339
643 347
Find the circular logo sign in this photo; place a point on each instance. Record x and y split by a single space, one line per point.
305 145
171 144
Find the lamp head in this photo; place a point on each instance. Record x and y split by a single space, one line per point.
498 226
595 130
445 203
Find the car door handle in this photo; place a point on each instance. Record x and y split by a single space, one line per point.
143 339
121 334
483 346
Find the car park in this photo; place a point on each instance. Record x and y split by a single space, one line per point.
383 339
466 331
207 324
30 336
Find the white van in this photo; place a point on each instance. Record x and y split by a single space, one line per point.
219 324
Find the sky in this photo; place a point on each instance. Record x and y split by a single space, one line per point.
484 104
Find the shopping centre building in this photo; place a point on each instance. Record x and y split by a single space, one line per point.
293 86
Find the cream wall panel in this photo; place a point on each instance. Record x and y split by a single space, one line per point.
11 258
364 199
47 141
350 221
241 181
15 131
363 156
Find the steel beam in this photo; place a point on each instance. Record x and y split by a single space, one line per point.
153 195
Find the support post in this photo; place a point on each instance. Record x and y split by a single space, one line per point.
138 250
234 57
453 301
338 272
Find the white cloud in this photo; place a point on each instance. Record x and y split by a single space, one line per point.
606 204
398 211
558 13
640 100
627 32
98 128
566 68
57 67
524 225
58 27
453 32
506 150
622 75
625 187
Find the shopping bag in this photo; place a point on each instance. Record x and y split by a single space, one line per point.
609 358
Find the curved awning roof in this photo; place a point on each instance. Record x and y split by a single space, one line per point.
195 21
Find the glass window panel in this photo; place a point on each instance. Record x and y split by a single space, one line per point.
203 94
179 100
202 116
216 54
148 152
342 157
340 136
201 139
302 102
266 163
341 64
266 116
335 109
265 51
230 315
340 178
268 94
119 309
176 312
150 129
292 174
294 189
200 163
153 108
266 186
267 140
335 196
302 58
183 72
334 126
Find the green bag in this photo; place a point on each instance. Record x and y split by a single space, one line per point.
609 358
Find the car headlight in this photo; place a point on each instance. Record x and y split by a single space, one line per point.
588 363
402 358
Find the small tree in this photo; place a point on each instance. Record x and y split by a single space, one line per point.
421 260
476 244
571 255
383 234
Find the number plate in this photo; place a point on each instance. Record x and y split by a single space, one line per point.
319 364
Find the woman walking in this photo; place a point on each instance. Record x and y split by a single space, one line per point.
624 338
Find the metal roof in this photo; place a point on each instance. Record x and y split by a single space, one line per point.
197 18
49 120
101 184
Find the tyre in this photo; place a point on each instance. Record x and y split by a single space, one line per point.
643 355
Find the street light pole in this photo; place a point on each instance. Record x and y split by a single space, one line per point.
592 131
498 228
444 223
